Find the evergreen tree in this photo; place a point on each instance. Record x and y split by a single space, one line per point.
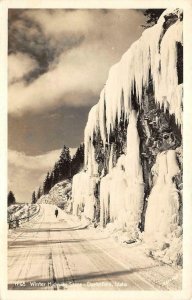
152 16
64 164
46 184
77 162
55 172
34 200
61 170
39 193
11 198
51 180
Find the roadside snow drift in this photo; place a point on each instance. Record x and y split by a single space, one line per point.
59 195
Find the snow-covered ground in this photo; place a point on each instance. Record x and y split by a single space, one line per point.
58 195
62 253
21 212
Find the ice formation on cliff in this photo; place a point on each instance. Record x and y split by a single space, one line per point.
151 53
121 191
154 56
163 202
83 194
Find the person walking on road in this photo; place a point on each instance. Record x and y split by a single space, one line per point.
56 212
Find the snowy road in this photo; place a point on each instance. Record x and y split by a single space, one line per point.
50 253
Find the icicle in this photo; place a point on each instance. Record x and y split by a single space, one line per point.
163 201
83 194
91 127
102 124
123 186
111 159
168 88
133 170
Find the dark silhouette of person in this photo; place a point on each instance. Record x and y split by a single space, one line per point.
56 212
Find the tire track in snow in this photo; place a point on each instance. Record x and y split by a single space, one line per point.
26 257
12 261
99 259
52 276
63 253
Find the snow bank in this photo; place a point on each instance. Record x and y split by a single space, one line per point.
59 195
168 249
21 211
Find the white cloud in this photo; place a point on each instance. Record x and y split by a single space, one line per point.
60 21
19 65
83 68
76 72
40 162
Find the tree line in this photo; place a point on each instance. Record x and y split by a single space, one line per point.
65 168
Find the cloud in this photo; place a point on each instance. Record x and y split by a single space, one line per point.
57 22
76 72
26 173
19 65
74 49
42 162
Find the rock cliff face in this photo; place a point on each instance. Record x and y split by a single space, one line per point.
133 139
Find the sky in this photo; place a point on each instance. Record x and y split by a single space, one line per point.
58 63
